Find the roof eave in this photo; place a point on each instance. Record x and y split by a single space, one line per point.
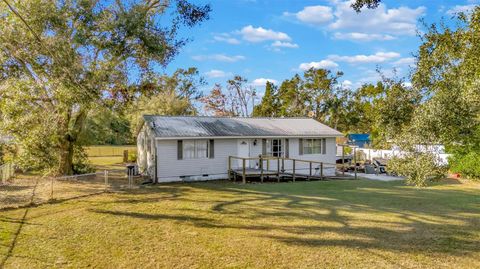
239 137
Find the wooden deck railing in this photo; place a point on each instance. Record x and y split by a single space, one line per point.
264 164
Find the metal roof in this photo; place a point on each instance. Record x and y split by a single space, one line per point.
202 126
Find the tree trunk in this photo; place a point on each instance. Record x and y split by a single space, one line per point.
66 158
68 143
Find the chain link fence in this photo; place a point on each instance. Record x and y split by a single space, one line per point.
24 191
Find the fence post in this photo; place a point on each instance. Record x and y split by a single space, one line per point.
51 189
229 171
244 179
293 170
310 164
321 170
278 169
106 178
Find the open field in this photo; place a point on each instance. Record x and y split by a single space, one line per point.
348 224
108 150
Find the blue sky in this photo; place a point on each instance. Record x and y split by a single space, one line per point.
275 39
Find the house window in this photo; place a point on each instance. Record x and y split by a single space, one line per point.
312 146
275 148
195 149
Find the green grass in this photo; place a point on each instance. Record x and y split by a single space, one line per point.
347 224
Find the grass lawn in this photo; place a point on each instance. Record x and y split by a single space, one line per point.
347 224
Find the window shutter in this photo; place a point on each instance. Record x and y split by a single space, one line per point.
264 147
211 154
300 146
287 149
179 149
324 146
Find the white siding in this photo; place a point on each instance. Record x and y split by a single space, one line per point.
170 169
328 159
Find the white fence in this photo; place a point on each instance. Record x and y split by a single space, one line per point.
7 171
371 154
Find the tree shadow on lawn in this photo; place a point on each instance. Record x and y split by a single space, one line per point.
434 220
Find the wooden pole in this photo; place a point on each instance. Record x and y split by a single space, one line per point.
343 160
355 160
321 170
261 168
244 177
229 170
51 189
278 169
293 170
310 163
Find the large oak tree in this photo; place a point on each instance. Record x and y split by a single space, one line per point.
59 59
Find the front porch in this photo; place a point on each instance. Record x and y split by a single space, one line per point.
276 168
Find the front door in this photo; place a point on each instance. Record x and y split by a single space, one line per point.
243 150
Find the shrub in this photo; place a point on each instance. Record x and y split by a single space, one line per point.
419 168
467 165
81 165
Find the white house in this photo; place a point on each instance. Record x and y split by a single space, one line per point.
177 148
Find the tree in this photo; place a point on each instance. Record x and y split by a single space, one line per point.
217 103
60 59
169 95
322 95
241 95
269 104
237 100
448 72
291 99
359 4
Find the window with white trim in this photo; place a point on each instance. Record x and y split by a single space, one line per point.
312 146
275 148
195 149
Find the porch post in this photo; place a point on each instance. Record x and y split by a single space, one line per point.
261 168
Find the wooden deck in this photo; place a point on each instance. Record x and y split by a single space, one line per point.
263 172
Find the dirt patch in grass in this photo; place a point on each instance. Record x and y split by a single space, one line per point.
347 224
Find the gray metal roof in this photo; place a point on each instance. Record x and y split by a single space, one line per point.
193 126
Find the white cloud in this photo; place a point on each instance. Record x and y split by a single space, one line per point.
362 36
214 73
252 34
395 21
347 84
459 8
261 82
327 64
381 23
405 61
227 38
378 57
313 14
219 58
280 44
